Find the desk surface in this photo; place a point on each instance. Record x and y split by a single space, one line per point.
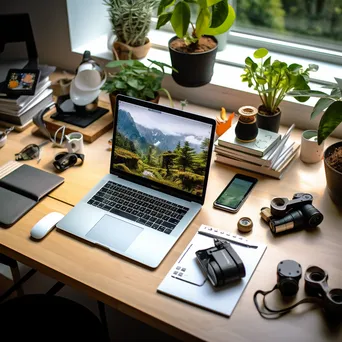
131 288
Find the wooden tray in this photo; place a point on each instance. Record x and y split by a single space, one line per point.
90 133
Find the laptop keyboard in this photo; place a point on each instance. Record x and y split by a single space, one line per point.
137 206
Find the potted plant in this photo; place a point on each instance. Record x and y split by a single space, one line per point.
273 81
130 21
137 80
331 118
193 54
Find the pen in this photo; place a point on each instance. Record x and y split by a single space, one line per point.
244 244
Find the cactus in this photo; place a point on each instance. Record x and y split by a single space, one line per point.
131 19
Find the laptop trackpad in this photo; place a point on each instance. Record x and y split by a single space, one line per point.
114 233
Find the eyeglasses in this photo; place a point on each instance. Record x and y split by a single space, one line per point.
30 152
64 160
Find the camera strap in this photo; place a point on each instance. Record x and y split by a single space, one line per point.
274 314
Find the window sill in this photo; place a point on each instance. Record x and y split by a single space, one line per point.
226 89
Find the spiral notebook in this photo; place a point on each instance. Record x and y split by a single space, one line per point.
186 281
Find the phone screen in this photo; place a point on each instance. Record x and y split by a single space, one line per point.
235 192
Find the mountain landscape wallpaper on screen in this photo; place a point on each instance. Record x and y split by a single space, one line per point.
167 149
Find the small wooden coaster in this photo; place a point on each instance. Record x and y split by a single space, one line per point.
90 133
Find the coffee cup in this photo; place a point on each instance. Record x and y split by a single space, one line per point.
74 142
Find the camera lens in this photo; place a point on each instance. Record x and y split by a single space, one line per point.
336 295
316 276
313 216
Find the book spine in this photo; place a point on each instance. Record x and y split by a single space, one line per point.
244 156
240 148
247 166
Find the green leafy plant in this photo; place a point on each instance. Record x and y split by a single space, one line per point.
131 19
274 80
331 103
213 17
137 80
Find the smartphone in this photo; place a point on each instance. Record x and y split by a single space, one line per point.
235 193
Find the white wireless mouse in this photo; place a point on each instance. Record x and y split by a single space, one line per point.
45 225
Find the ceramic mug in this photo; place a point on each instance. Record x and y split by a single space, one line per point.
74 142
310 151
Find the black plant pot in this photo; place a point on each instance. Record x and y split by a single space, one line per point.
268 122
194 69
334 177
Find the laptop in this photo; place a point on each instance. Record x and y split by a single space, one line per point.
157 183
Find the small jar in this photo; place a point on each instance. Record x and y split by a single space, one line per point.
246 129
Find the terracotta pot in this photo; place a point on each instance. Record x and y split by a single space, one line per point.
112 97
121 50
268 122
334 177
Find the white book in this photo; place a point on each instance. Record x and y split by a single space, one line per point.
275 173
262 161
264 141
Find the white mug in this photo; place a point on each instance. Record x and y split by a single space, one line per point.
74 143
310 151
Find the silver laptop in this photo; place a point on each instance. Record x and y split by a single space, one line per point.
158 177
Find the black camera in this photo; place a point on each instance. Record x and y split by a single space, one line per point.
285 214
221 263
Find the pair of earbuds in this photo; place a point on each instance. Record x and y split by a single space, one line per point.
289 273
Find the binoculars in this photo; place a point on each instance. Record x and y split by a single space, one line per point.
316 285
285 214
221 264
289 273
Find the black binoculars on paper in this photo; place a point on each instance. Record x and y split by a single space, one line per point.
285 214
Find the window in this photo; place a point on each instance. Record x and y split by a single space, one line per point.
307 28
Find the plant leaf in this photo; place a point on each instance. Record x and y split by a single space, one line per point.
311 93
321 105
260 53
163 19
202 3
134 83
329 121
219 13
267 62
249 61
339 82
213 2
295 67
180 19
203 21
164 4
303 85
119 84
226 25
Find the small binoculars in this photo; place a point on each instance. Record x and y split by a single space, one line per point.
221 264
316 285
285 214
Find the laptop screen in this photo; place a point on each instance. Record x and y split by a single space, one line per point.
169 149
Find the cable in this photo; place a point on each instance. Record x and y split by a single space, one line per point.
278 313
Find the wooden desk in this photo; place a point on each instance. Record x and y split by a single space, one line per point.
131 288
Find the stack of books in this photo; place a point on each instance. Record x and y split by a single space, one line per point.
19 111
270 154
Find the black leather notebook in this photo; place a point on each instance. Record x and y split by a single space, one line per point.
21 189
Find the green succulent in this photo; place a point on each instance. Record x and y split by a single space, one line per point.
331 103
274 80
137 80
131 19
